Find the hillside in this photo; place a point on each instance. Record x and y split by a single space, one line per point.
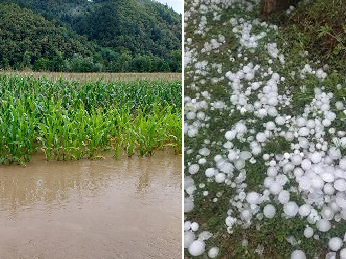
113 35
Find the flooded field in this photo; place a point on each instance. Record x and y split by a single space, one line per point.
125 208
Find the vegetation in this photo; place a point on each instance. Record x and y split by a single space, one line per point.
69 120
89 36
317 27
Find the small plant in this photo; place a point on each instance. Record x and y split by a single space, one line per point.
70 121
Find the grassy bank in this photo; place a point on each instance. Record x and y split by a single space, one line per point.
70 120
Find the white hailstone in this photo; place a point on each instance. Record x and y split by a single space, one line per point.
335 243
193 169
326 123
340 201
272 171
245 155
317 182
304 131
298 254
328 189
308 232
205 235
239 164
291 209
266 157
280 120
340 185
240 128
190 190
262 113
194 226
197 248
261 137
256 150
189 237
272 163
343 253
334 153
187 225
252 197
303 142
192 132
270 125
210 172
289 136
202 161
327 213
284 197
269 211
246 215
296 159
316 157
217 158
301 122
232 155
282 179
275 188
220 178
323 225
228 145
310 124
330 255
213 252
288 168
306 164
304 183
204 152
328 177
188 182
230 135
272 111
268 181
188 205
339 173
201 116
190 115
339 105
225 167
298 172
286 155
342 163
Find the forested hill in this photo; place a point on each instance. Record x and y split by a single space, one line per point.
85 35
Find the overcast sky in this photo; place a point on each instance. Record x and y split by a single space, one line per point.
175 4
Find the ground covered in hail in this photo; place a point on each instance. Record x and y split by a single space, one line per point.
265 140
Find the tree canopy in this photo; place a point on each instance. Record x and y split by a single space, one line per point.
99 35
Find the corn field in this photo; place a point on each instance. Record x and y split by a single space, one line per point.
69 120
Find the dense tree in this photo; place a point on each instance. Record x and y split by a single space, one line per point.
99 35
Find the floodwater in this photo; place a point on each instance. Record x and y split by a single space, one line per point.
125 208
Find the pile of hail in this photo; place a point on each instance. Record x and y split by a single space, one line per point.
312 169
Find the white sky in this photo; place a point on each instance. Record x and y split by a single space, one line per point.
175 4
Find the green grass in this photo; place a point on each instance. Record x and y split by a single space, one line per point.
68 120
318 27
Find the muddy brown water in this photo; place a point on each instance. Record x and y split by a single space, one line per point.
126 208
